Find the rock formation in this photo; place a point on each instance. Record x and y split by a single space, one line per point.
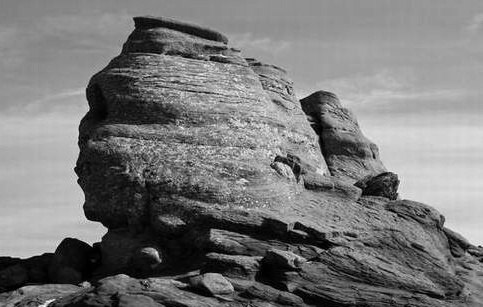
216 191
349 154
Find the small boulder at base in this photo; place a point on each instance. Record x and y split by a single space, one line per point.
212 283
384 184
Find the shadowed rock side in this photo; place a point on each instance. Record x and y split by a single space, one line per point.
212 184
349 154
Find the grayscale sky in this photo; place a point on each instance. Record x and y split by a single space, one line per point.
411 70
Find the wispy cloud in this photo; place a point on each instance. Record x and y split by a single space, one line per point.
63 100
386 88
250 43
475 24
92 24
12 47
68 101
58 96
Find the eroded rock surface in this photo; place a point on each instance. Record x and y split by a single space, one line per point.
217 192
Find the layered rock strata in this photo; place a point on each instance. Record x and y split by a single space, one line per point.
217 192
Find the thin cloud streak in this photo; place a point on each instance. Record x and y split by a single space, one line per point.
387 87
475 24
57 96
249 42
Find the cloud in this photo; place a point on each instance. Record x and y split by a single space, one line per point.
61 32
65 101
398 90
57 96
249 43
91 24
12 46
475 24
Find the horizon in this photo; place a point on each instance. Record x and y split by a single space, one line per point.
410 71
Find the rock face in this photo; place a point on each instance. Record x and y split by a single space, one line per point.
217 192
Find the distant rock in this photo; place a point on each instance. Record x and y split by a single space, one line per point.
348 153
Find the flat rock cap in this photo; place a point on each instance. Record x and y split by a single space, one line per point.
149 22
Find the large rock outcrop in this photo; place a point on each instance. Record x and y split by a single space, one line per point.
217 192
349 154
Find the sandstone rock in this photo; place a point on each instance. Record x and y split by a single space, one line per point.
157 127
149 22
8 261
37 295
70 263
284 260
207 159
212 283
384 184
135 300
125 251
348 153
146 260
109 291
264 292
199 161
276 83
38 267
476 251
457 243
232 266
13 276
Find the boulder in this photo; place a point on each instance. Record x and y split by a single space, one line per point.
71 262
284 260
232 266
212 283
146 260
384 185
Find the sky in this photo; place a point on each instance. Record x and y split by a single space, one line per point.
412 71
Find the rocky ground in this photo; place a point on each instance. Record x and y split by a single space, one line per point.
219 188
